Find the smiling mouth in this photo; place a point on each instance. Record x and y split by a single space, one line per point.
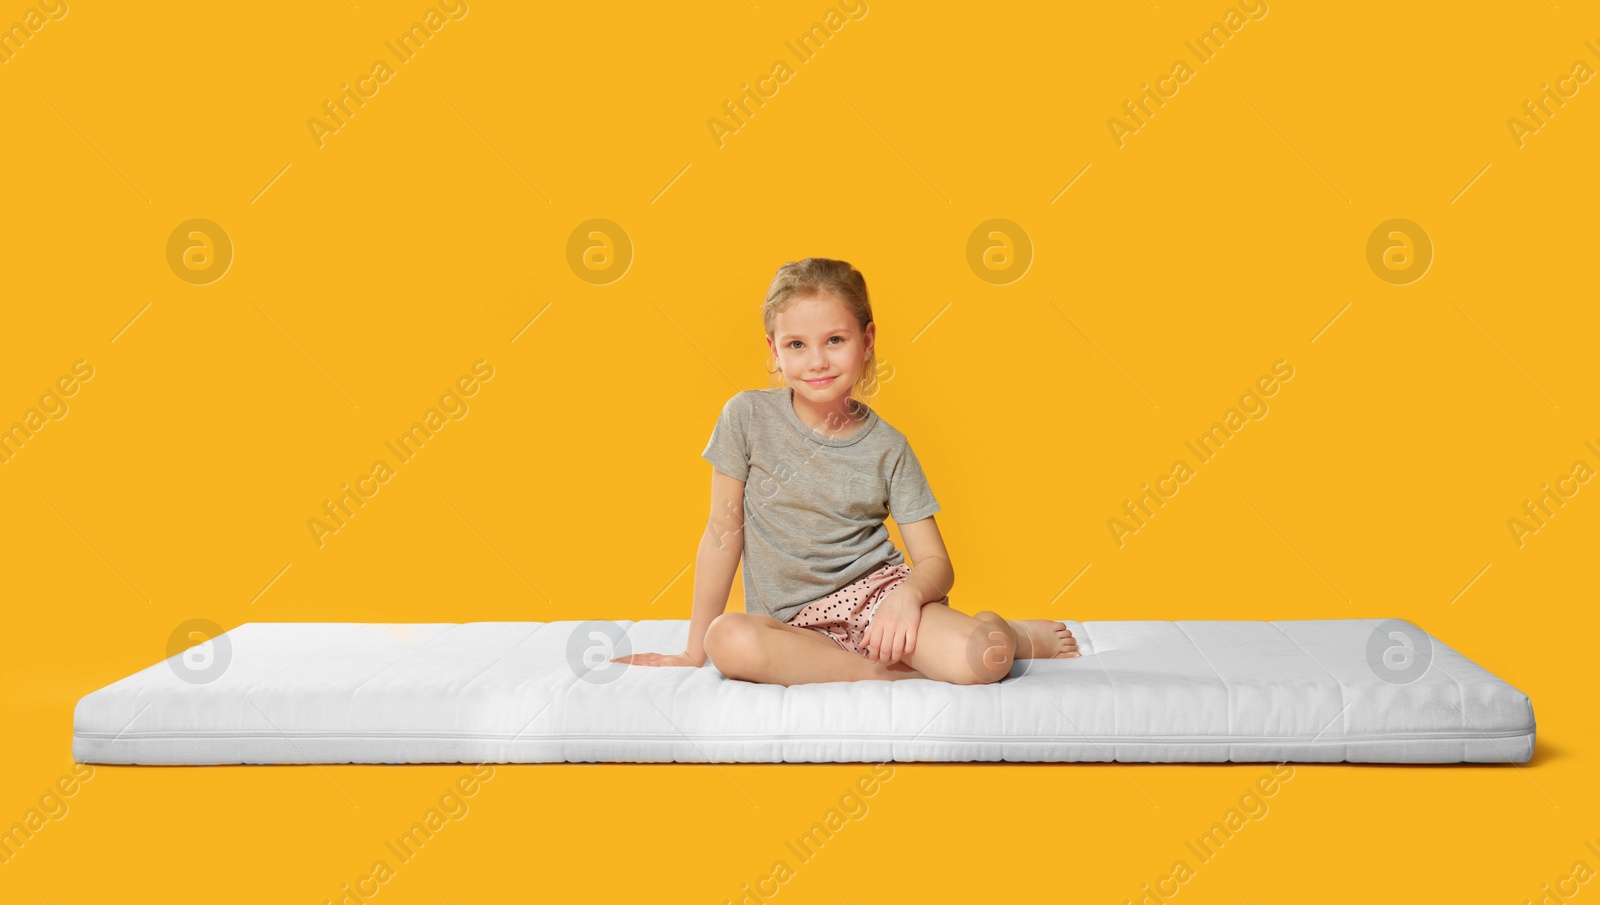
824 381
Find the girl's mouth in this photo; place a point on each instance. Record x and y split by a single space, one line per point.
823 382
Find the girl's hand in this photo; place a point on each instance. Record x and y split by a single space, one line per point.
893 632
682 659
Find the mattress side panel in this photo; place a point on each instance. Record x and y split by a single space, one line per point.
1452 694
1160 683
1276 687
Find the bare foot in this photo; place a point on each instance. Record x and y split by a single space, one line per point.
1043 639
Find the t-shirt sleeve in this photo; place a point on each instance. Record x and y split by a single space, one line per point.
729 450
910 497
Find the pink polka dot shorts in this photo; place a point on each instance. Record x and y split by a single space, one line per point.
846 614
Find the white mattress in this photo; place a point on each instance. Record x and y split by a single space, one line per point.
504 692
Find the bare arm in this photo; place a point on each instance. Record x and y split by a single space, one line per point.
931 575
893 632
721 546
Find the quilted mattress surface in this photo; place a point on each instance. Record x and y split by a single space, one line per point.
534 692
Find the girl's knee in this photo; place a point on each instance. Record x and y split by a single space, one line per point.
990 653
732 644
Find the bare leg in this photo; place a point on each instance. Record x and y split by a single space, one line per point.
960 649
1035 638
761 649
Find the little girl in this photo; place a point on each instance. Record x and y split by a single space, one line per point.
804 474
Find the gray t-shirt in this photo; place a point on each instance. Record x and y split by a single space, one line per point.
814 505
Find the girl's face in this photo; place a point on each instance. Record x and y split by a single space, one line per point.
820 349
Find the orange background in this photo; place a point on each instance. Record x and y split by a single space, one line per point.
431 231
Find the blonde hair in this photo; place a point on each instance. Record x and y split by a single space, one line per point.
815 276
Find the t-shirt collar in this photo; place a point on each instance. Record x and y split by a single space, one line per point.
786 399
